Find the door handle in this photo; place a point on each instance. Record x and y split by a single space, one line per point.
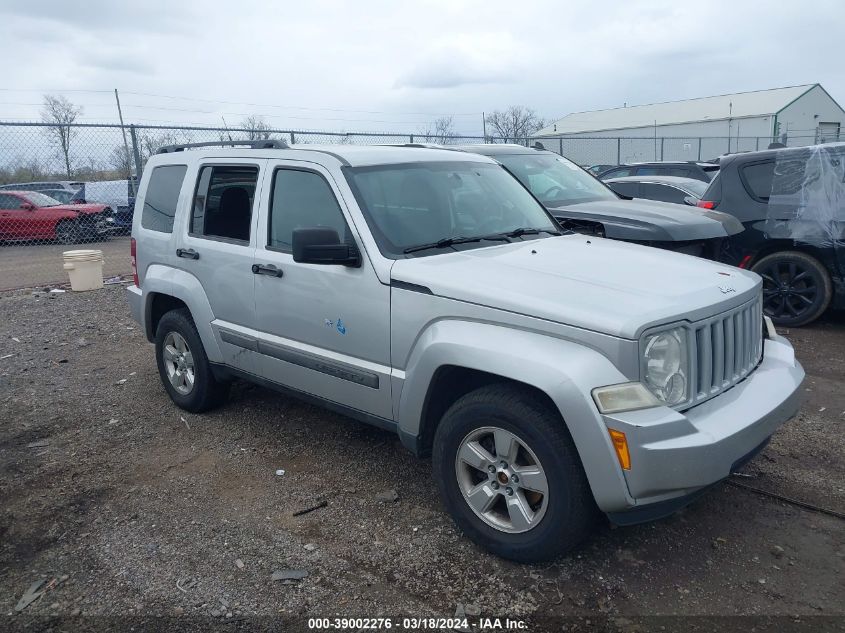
187 253
267 269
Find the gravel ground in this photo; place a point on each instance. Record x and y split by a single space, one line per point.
150 512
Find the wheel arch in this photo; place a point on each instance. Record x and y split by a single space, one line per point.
167 289
455 357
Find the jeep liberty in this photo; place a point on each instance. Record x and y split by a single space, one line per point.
551 376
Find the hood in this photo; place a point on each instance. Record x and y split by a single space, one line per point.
80 208
597 284
649 220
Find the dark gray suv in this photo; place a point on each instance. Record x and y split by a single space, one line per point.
792 204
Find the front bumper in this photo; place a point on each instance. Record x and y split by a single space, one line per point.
676 455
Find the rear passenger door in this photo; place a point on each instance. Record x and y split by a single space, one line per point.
217 248
323 329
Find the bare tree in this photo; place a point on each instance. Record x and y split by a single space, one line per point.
120 161
441 130
60 114
256 128
516 123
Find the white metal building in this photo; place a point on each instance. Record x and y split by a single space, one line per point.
795 115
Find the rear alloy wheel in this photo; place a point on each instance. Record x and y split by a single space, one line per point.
184 368
796 287
68 232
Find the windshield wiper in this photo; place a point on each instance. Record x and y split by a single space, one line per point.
529 231
446 242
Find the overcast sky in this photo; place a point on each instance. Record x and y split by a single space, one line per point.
378 65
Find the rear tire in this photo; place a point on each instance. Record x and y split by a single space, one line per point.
521 524
183 365
796 287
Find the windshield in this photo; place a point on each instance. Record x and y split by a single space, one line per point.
61 195
40 200
414 204
555 180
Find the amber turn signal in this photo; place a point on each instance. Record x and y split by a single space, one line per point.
620 445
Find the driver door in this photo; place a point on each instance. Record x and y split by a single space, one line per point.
323 329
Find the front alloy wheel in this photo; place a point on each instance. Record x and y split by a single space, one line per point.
509 473
502 480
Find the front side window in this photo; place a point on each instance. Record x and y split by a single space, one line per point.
555 180
223 202
414 204
9 202
161 198
302 199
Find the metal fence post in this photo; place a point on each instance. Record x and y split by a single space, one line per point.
292 138
412 138
618 150
560 142
699 149
662 138
136 152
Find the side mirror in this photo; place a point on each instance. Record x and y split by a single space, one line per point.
320 245
691 201
27 206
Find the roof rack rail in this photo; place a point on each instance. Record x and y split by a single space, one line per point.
260 144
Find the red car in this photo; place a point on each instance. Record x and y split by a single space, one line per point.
29 215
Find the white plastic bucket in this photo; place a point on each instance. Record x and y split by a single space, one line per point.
85 269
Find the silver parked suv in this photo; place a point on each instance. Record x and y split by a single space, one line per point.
427 292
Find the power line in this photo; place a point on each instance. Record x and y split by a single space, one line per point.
246 103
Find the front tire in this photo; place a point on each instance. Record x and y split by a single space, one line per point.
183 365
68 232
510 475
796 287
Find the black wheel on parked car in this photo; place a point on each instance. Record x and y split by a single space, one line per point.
796 287
510 476
69 232
183 365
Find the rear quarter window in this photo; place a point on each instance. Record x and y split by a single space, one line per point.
757 179
161 198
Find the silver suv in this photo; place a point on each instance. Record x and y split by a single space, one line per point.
551 376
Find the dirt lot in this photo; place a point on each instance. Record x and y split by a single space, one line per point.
29 265
152 512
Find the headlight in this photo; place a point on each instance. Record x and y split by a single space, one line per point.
666 365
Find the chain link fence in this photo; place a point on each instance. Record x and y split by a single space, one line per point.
66 187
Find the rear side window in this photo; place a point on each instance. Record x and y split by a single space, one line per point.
161 198
223 202
302 199
662 193
617 173
757 178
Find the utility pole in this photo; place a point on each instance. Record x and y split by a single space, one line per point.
126 146
226 128
730 115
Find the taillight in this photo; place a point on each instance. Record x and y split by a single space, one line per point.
745 261
133 249
706 204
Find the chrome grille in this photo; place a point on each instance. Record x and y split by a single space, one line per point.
727 348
